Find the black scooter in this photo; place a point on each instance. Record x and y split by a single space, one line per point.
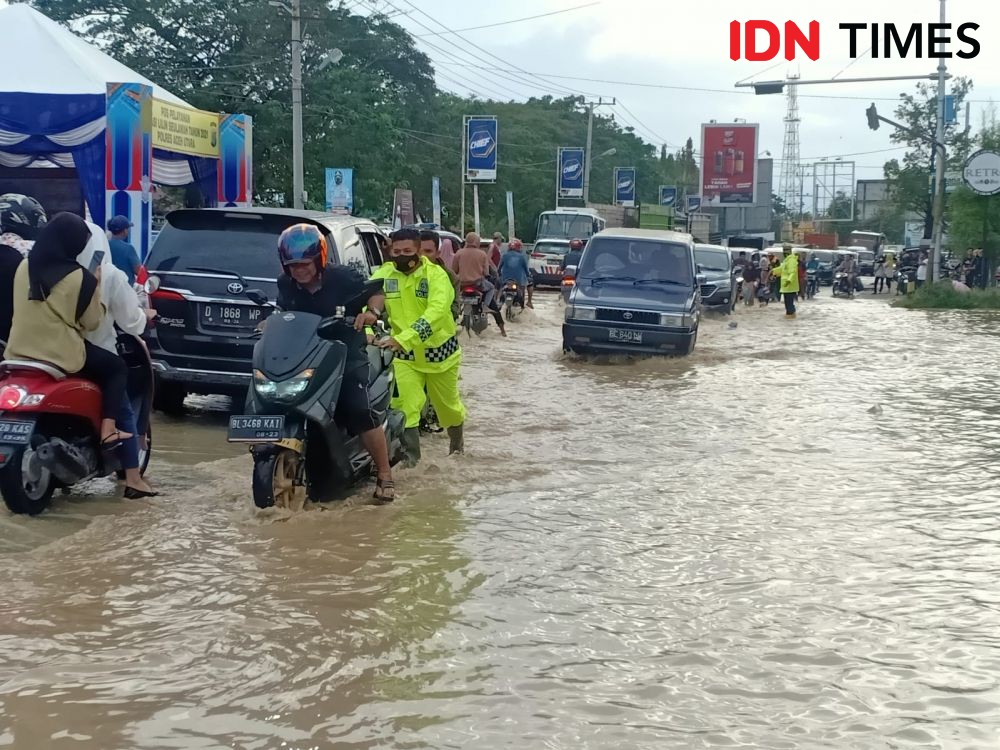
298 447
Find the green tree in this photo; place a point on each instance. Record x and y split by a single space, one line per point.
975 219
910 178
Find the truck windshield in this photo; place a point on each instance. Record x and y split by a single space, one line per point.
642 260
565 226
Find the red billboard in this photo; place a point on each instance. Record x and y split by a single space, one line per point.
728 164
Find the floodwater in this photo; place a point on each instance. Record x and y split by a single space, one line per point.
787 540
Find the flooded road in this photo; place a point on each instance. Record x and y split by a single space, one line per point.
787 540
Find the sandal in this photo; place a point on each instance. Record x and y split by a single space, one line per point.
112 441
385 491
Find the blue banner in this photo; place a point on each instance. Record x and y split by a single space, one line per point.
625 186
481 149
668 196
571 164
693 203
340 191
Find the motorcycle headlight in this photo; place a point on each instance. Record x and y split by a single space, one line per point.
576 312
282 390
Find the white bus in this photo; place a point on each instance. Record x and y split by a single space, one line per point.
569 224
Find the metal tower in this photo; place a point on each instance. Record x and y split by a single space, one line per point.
789 188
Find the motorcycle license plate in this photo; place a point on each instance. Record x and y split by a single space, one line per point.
256 428
16 431
625 335
470 300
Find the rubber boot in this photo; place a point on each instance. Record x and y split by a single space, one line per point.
411 447
457 440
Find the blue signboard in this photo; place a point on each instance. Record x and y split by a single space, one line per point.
571 163
950 115
625 186
481 149
668 195
693 203
340 191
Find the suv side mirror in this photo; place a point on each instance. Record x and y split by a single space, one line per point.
570 271
700 278
257 297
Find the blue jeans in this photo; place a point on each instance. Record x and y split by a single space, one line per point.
128 453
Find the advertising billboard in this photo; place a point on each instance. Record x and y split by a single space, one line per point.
693 204
481 149
668 196
571 164
436 199
340 190
729 164
625 186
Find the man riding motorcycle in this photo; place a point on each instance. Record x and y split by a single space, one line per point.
514 267
574 256
473 267
309 285
849 266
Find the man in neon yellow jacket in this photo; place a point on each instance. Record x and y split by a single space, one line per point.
418 297
789 270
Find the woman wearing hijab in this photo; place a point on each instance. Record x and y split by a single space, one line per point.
124 311
446 252
57 301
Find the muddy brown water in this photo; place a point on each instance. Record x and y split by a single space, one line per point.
727 550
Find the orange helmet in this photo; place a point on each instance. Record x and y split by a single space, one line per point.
300 243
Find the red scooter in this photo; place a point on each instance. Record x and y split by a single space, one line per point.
50 426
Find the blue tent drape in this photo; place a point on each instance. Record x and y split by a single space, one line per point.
89 160
205 173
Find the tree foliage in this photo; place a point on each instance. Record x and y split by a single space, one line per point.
975 219
378 110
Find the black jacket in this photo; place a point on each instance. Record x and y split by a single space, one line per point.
10 259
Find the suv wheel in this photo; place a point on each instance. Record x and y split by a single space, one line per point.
169 398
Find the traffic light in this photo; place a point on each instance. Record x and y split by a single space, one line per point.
872 113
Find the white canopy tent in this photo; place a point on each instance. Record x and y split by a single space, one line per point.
52 112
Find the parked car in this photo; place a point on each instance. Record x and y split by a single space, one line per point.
546 261
636 291
715 263
866 262
201 265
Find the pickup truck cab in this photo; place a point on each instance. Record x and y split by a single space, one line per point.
636 292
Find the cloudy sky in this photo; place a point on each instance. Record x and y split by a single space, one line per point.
605 46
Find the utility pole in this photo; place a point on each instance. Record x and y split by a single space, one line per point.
590 138
298 178
934 271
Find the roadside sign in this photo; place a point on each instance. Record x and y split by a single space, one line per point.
982 172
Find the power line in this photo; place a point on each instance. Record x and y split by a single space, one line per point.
516 20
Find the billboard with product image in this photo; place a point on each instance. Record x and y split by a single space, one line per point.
729 164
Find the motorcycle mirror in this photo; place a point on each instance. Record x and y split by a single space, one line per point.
152 284
257 297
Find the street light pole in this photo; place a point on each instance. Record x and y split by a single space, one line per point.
590 138
935 264
298 178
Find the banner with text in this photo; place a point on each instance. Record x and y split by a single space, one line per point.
571 164
510 215
481 149
235 168
625 186
129 162
729 164
184 130
402 208
693 204
340 191
668 196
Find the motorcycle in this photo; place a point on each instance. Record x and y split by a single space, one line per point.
842 286
50 427
812 283
473 315
299 450
511 296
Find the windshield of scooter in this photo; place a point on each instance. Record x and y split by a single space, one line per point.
291 343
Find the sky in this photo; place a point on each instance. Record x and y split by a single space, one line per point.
613 43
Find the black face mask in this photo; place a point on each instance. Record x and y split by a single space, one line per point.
406 263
